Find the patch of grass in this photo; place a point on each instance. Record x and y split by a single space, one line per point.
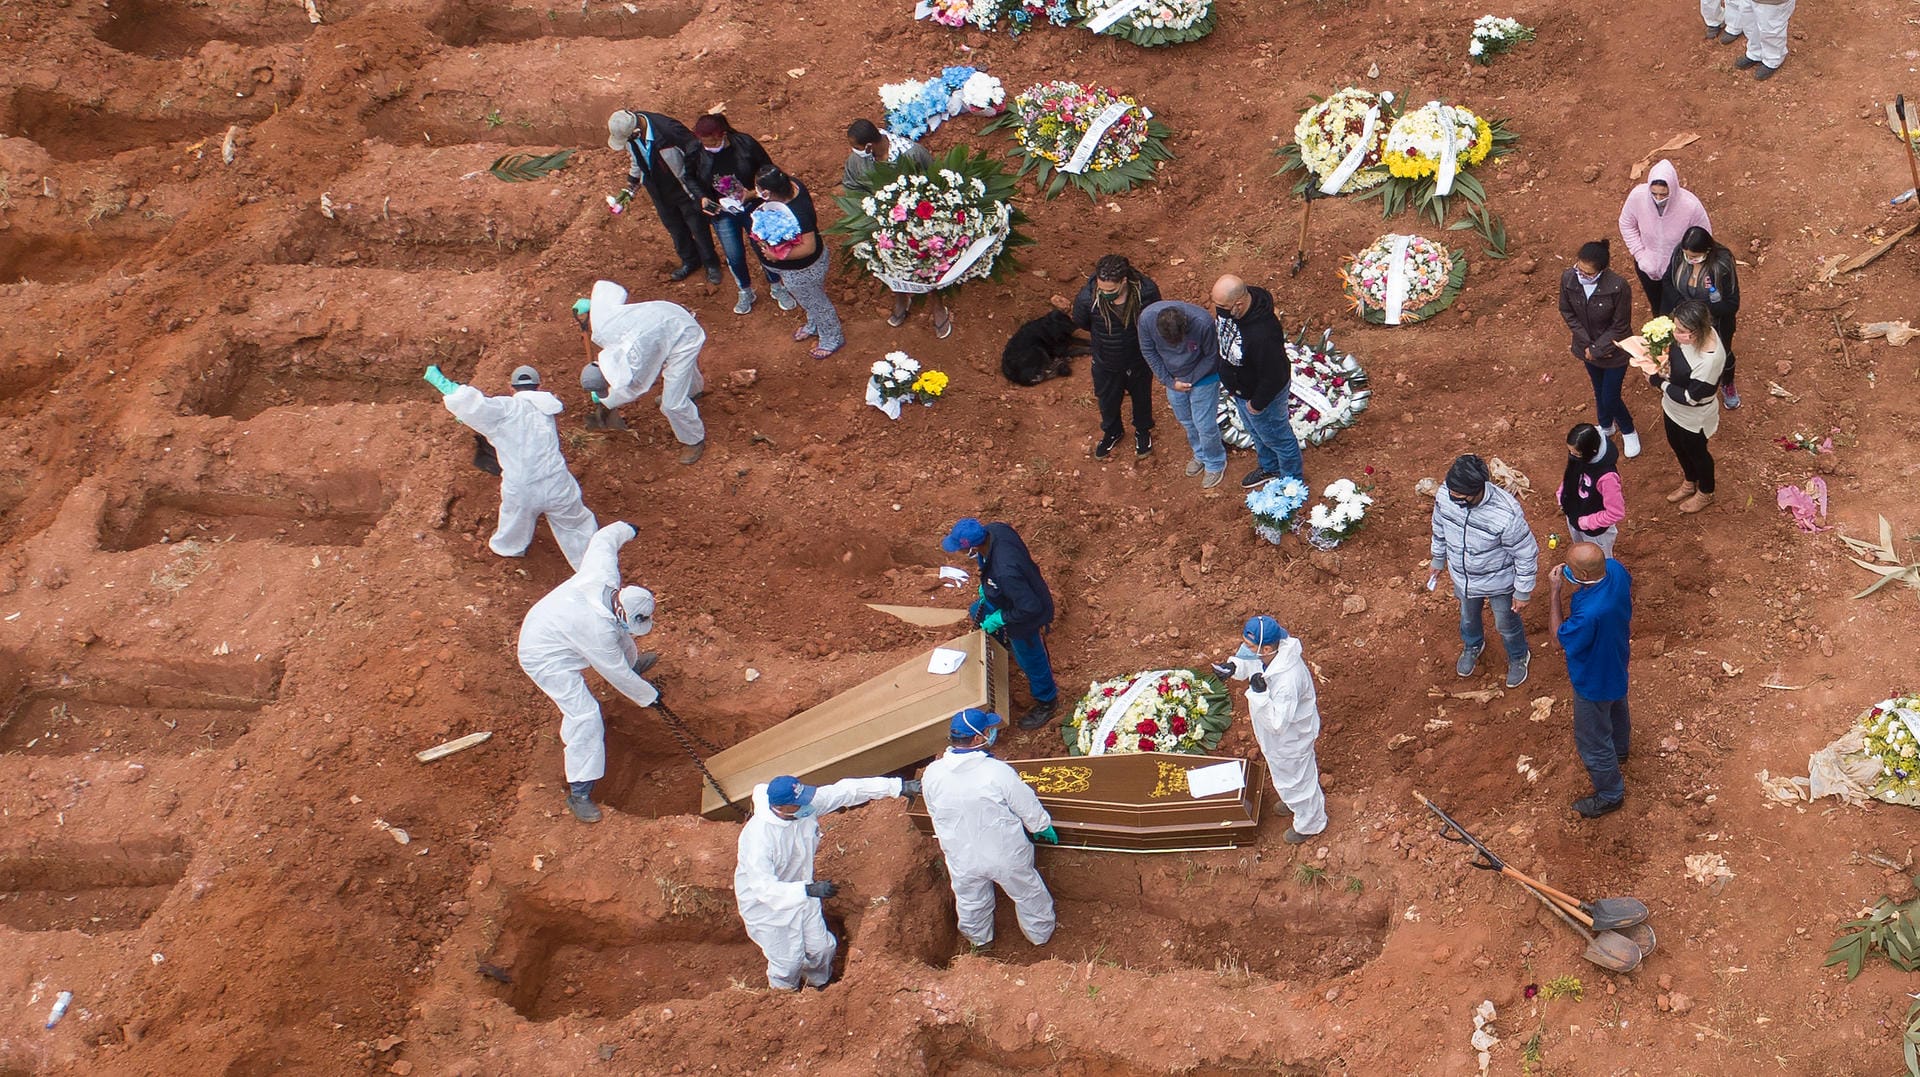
1565 987
1310 876
1355 885
1530 1054
493 119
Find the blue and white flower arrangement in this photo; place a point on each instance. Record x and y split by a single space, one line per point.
1276 507
916 108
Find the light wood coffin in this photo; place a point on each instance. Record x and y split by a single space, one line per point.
889 723
1136 801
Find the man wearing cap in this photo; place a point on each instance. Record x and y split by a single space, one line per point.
1481 537
1595 636
657 149
773 879
590 621
534 480
641 343
1013 599
1286 719
987 821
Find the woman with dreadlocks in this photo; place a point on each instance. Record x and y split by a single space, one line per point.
1108 308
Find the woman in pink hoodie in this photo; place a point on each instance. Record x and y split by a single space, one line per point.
1656 214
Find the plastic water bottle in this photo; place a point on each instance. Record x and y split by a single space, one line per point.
60 1005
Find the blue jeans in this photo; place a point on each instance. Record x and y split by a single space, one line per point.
1273 440
1608 408
1030 651
729 229
1506 619
1198 410
1601 730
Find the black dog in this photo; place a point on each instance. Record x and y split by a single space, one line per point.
1040 350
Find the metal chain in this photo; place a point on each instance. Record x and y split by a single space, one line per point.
687 738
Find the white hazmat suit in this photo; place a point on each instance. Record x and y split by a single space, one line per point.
641 343
982 813
572 629
1286 722
534 480
771 875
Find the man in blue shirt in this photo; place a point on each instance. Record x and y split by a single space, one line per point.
1595 636
1014 600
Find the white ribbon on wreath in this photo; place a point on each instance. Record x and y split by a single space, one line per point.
1089 142
1121 706
1099 23
1397 281
1351 163
974 252
1449 151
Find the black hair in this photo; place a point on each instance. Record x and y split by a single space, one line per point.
863 133
711 124
774 181
1584 439
1696 240
1113 267
1596 254
1172 324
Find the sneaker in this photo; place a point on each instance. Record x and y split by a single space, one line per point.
1608 430
1212 479
1142 443
645 662
1745 62
583 808
744 304
682 273
1630 445
1728 397
1294 837
713 274
1038 717
1594 807
1193 468
782 296
1762 75
1105 448
694 452
1517 671
1469 658
1256 477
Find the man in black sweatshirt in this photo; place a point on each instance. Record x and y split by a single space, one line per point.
1108 308
1254 367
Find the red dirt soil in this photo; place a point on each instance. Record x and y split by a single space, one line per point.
243 572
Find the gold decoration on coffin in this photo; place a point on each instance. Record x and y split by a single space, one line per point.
1172 781
1058 780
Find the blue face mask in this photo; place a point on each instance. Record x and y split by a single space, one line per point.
1246 651
993 734
806 811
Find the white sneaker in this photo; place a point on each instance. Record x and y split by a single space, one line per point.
1607 431
1630 445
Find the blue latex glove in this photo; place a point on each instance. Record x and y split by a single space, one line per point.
440 381
1049 836
994 622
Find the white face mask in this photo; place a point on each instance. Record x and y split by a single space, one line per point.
1695 259
1659 201
1584 279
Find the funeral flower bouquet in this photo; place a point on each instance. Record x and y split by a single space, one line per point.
1890 738
1152 23
1432 275
1276 507
1493 35
1340 516
1332 130
1049 121
915 108
898 380
1326 394
923 232
1018 15
1164 710
1417 153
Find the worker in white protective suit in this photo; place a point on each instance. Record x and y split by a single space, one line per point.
641 343
534 480
987 820
1286 719
773 879
590 621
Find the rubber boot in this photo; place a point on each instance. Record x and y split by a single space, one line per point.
580 802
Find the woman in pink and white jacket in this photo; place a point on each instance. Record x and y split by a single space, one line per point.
1589 493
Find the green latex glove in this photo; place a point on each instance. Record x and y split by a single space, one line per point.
983 592
994 622
440 381
1049 836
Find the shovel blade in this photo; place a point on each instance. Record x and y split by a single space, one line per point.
1614 952
1614 913
1641 935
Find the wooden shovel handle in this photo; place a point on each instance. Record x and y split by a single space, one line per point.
1572 906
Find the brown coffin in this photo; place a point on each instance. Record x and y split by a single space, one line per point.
1135 802
891 722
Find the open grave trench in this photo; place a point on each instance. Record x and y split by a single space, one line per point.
367 231
467 23
173 30
89 888
337 509
241 380
956 1051
167 707
70 128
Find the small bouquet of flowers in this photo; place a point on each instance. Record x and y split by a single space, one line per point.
1340 516
898 380
1149 24
1051 120
1888 730
775 226
1162 710
1429 277
987 15
1647 352
1334 129
1276 507
922 232
1493 35
732 195
617 203
915 108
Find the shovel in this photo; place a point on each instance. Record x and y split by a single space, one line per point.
1609 949
1640 934
1606 914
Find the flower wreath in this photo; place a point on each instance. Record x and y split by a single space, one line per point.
1330 130
1415 146
1050 120
1888 736
1326 394
1152 22
1172 710
1434 275
936 230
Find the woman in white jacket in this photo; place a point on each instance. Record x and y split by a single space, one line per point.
1285 711
1689 391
